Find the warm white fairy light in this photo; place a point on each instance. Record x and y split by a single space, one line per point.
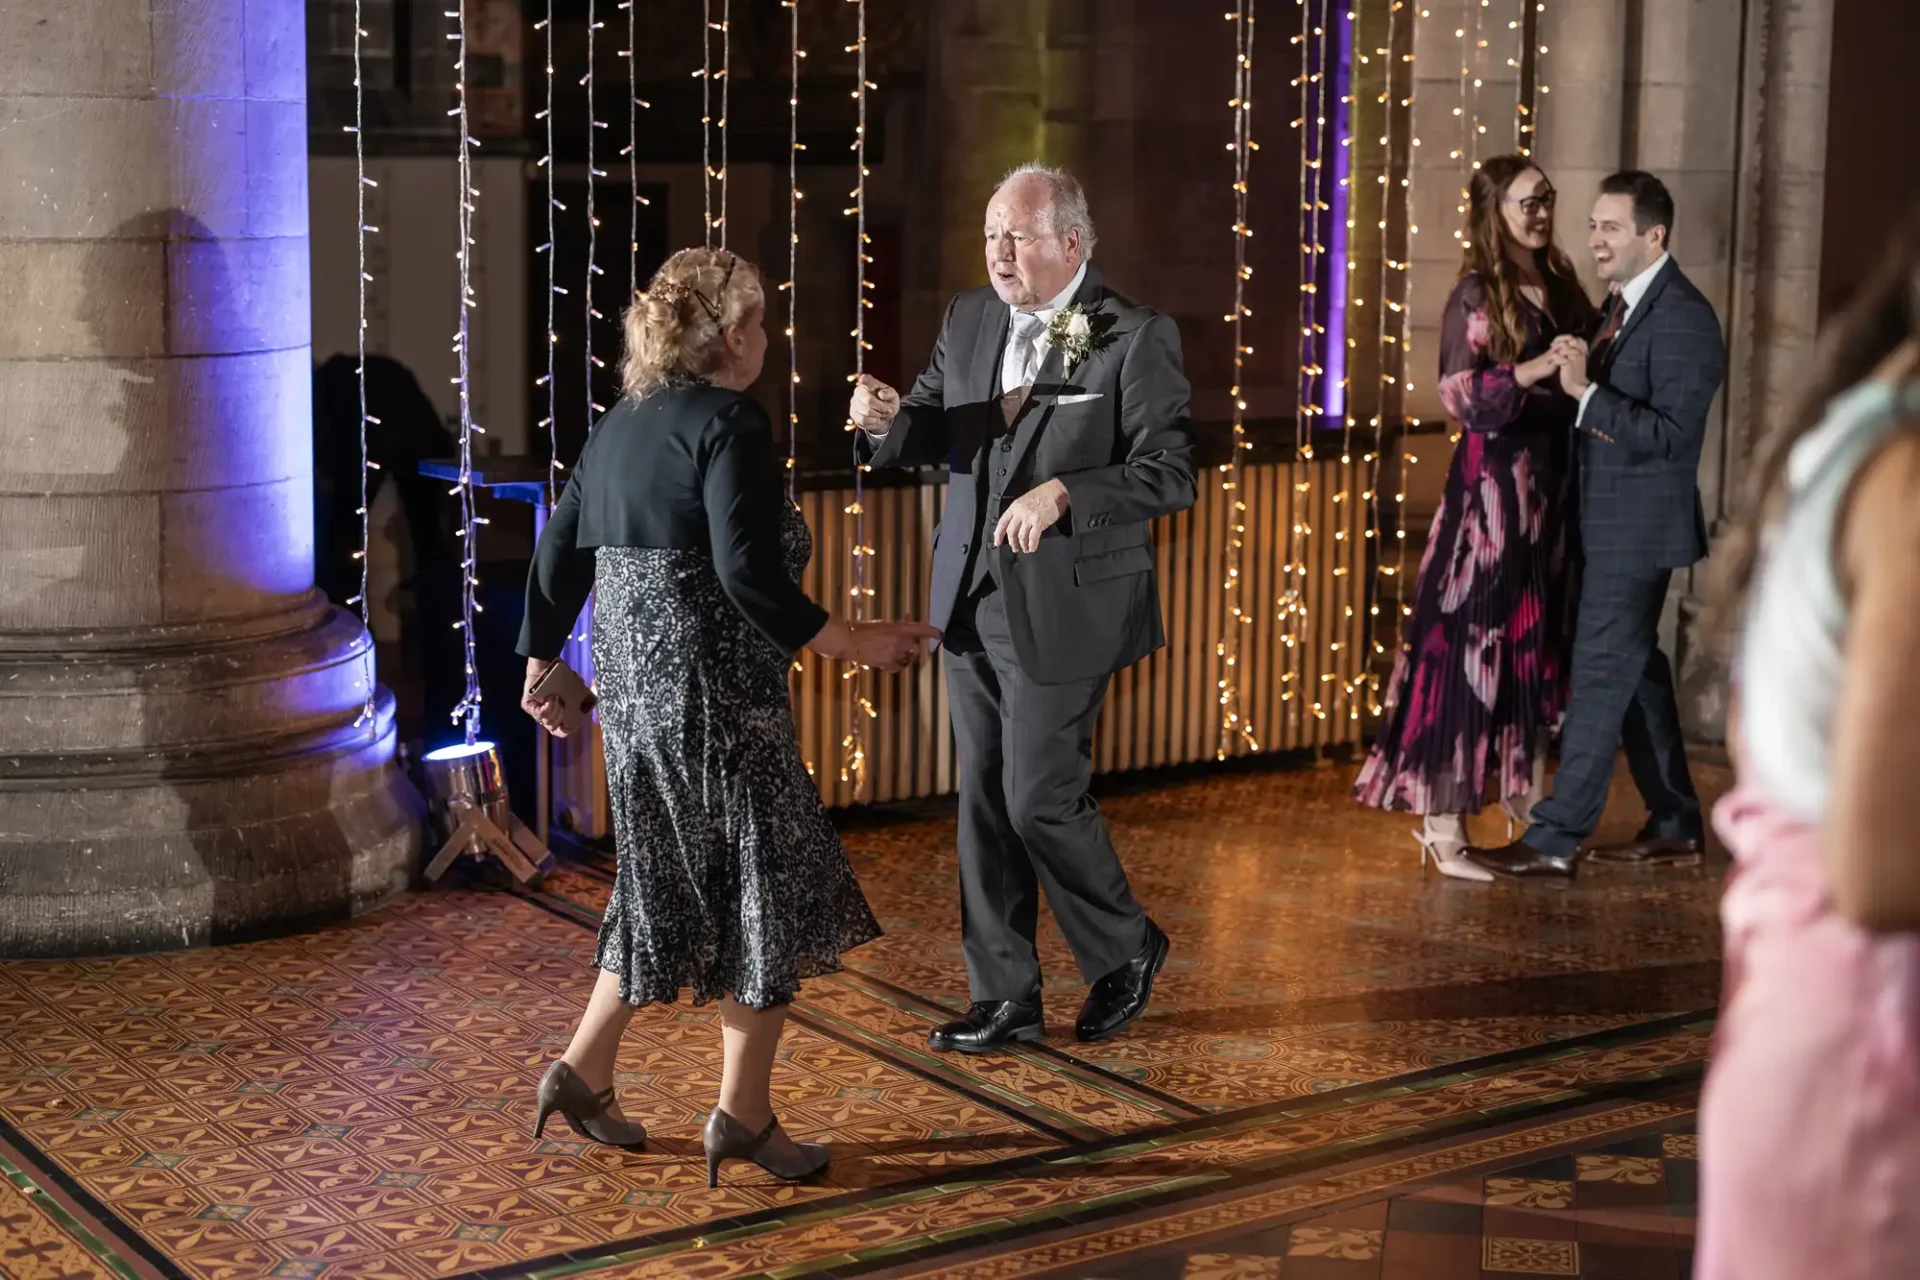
1537 107
1405 308
360 183
726 80
859 708
710 177
1465 146
1385 335
792 288
632 153
545 163
591 361
1316 406
1348 567
467 712
1235 620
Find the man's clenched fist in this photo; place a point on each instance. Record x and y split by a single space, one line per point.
874 405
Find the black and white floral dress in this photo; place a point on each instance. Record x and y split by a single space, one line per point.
732 880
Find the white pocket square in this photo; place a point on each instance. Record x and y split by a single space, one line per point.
1080 399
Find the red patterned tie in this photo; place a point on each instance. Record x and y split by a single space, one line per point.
1616 315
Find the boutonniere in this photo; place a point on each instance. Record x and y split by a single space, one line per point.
1078 333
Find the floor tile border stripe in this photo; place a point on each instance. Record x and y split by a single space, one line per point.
104 1233
1365 1182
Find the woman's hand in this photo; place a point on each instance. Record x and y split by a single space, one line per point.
889 646
541 709
1540 368
886 646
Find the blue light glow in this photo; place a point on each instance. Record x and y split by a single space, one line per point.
460 751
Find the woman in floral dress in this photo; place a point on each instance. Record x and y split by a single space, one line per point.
1481 676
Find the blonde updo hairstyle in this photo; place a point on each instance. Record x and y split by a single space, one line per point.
677 327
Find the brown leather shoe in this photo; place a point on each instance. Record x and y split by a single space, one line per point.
1521 860
1651 851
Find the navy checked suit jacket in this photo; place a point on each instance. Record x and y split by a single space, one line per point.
1639 443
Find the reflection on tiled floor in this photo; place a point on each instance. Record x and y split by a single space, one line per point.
1333 1026
1611 1211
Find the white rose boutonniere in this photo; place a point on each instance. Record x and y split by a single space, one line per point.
1078 333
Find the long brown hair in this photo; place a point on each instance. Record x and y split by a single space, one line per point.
1486 255
1880 318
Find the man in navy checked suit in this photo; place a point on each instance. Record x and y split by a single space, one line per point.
1644 385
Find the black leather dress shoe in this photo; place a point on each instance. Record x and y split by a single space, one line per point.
1522 861
1120 997
1648 850
988 1025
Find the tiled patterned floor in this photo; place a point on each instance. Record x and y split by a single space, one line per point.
1334 1028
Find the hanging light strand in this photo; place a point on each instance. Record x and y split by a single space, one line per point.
1386 336
635 104
1405 309
1522 106
1538 106
590 361
467 712
361 230
1349 568
545 164
859 705
1233 720
705 76
1317 274
792 287
726 80
1292 608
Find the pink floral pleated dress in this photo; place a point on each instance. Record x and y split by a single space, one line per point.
1483 669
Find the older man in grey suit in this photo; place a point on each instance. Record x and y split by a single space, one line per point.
1060 409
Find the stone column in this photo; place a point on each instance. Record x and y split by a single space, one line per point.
183 757
1754 162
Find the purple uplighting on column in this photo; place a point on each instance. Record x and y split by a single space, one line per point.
1335 379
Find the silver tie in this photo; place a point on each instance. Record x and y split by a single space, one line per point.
1023 360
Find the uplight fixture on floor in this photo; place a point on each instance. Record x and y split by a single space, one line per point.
467 797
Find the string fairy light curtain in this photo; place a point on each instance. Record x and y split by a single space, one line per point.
363 277
714 179
858 707
467 712
1234 619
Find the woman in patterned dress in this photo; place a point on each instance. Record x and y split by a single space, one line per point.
731 880
1481 677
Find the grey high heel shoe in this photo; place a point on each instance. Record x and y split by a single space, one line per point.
585 1111
727 1139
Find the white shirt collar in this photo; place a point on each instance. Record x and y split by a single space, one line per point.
1062 298
1635 289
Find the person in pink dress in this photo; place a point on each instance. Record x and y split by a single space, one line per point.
1810 1120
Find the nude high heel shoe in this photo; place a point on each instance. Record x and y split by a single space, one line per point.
1448 852
727 1139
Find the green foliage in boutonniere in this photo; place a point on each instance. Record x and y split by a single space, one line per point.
1078 333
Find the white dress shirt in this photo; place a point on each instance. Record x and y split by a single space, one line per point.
1630 294
1025 351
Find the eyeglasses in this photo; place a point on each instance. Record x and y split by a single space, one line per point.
1536 203
713 309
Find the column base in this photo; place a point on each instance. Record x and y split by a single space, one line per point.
113 851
